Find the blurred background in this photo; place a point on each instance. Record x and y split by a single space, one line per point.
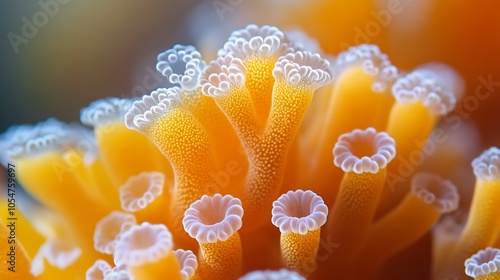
59 55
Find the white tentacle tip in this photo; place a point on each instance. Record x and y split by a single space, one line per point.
222 75
374 63
484 262
213 218
299 212
60 253
256 41
362 151
487 165
46 136
145 112
182 65
142 244
448 77
303 69
432 189
188 262
273 275
425 87
109 229
98 270
104 111
141 190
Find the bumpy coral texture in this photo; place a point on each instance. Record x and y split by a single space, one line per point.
272 161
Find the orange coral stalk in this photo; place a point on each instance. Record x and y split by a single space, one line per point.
363 155
299 215
482 224
296 77
124 152
45 173
445 235
101 180
162 117
431 196
220 132
421 100
72 202
364 77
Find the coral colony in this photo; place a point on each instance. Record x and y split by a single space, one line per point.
273 161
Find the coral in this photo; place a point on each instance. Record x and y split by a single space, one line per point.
146 250
214 222
299 215
485 264
274 160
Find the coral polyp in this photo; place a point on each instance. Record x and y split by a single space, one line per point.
274 160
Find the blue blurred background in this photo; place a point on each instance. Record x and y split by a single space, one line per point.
84 51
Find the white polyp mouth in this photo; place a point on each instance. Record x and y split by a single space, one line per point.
182 65
188 262
44 137
363 151
60 253
141 190
303 68
487 165
101 112
299 212
422 86
109 229
484 262
11 142
119 272
145 112
98 270
142 244
434 190
272 275
254 41
374 63
223 75
212 219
